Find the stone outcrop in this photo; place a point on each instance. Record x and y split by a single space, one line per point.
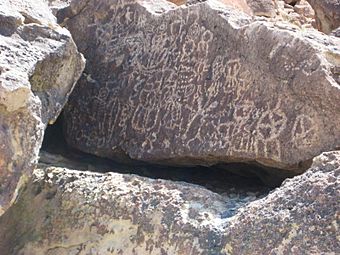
39 65
327 14
201 84
63 211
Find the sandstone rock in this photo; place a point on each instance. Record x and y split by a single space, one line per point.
201 84
39 64
327 14
63 211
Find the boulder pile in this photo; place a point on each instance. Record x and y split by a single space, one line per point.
170 89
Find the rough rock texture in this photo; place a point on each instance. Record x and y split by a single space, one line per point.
69 212
301 14
39 65
266 8
297 12
336 32
300 217
56 5
241 5
327 14
201 84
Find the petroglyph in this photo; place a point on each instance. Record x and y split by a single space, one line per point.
181 84
304 132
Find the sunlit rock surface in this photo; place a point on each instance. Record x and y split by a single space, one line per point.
63 211
39 65
201 84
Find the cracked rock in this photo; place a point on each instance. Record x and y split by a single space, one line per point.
63 211
39 66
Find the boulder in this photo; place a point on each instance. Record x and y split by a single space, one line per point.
266 8
39 65
300 217
201 84
63 211
327 14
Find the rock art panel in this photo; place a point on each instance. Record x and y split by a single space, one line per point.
63 211
39 65
200 84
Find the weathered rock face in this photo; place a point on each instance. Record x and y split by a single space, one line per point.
266 8
56 5
200 84
299 13
39 64
300 217
64 212
327 14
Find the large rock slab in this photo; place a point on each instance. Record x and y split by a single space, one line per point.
327 14
200 84
39 65
64 211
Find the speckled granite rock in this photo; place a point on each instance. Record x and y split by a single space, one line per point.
39 65
201 84
63 212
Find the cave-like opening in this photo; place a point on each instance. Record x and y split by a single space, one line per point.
56 151
239 183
